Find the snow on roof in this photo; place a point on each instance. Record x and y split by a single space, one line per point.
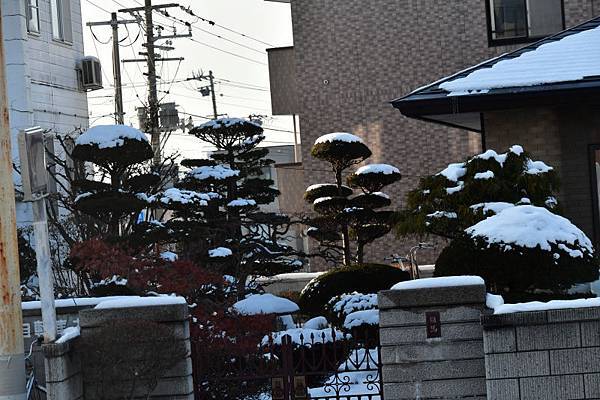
529 226
453 172
241 203
214 172
339 137
136 301
445 281
265 304
539 306
226 122
358 318
107 136
385 169
571 58
219 252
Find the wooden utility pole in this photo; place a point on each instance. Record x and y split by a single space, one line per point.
114 23
153 104
211 78
12 361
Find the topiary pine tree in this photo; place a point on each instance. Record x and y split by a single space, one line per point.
343 218
227 231
447 203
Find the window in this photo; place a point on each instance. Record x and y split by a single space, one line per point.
32 12
517 21
61 20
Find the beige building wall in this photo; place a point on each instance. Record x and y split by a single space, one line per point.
352 57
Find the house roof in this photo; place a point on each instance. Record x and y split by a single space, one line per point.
556 70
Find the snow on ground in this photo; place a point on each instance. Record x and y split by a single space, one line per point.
265 304
358 370
530 226
338 137
219 252
364 317
215 172
69 333
571 58
136 301
385 169
539 306
445 281
226 122
108 136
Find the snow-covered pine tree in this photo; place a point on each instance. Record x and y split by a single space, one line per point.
462 194
240 239
343 218
119 194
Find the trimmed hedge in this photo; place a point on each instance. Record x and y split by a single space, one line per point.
365 278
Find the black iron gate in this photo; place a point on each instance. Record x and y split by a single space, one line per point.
326 366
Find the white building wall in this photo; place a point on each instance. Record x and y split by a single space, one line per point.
43 88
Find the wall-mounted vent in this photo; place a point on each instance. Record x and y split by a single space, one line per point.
90 73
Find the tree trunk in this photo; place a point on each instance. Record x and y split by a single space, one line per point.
346 260
360 252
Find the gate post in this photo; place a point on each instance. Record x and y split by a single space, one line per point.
287 355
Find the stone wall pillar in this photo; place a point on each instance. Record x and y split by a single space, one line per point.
63 371
432 343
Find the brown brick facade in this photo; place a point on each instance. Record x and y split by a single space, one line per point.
354 56
561 137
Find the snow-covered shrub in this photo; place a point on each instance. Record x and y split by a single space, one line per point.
358 314
366 278
343 218
523 253
339 307
465 193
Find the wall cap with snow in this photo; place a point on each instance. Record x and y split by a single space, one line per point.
174 312
543 313
445 291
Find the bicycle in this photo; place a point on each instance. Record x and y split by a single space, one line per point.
34 391
411 259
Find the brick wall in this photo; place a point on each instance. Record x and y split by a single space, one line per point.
450 366
543 355
353 57
561 137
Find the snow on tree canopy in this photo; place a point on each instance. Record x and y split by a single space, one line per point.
174 195
348 303
446 281
377 169
226 123
219 252
339 137
530 226
364 317
495 207
537 167
218 172
570 58
265 304
454 172
484 175
241 203
108 136
169 256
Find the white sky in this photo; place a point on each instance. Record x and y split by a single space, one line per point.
269 22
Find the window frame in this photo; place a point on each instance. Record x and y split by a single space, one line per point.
509 41
61 25
28 15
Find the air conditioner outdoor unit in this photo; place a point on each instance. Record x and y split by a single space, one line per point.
90 73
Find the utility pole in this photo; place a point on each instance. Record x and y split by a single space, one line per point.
114 23
212 91
12 360
153 105
204 90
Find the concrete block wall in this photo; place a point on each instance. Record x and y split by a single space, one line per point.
447 367
177 383
63 371
551 354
